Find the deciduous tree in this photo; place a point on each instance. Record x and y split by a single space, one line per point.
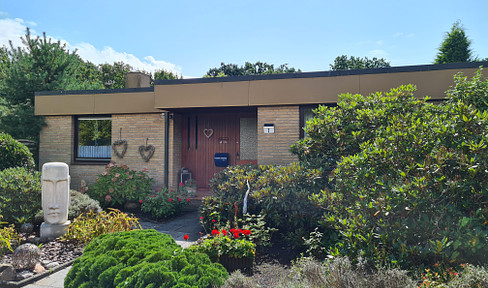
353 63
249 68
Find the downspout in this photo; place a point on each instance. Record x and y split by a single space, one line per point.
166 148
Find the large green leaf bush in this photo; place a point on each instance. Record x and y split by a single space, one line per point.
14 154
279 193
408 182
142 258
20 195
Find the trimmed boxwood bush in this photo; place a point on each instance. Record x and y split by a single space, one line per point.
20 194
142 258
14 153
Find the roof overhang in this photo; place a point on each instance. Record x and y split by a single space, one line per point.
257 90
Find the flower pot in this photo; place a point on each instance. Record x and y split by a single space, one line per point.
232 264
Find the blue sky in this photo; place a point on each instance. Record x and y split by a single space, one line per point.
189 37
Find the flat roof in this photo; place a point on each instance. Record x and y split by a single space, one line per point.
252 90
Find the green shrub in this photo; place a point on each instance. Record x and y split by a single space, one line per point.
165 203
142 258
231 242
14 153
472 92
20 195
9 238
280 193
413 193
88 226
118 185
79 204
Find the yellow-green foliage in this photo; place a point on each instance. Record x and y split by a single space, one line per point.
8 236
142 258
90 225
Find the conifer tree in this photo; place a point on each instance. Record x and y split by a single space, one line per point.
455 47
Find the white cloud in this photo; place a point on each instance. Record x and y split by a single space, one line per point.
108 55
13 29
378 53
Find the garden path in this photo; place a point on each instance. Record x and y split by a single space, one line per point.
186 224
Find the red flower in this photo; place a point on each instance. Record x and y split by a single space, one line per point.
224 232
246 232
170 199
171 190
233 230
186 237
188 200
181 183
201 217
152 196
213 220
140 201
236 235
179 199
215 232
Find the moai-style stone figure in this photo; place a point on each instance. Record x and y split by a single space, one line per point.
55 199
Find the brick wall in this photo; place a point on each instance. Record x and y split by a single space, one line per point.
175 150
57 140
135 129
275 148
56 145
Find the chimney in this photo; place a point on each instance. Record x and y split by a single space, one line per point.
137 80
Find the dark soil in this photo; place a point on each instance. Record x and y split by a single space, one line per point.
54 251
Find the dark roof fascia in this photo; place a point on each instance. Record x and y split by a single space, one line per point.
414 68
101 91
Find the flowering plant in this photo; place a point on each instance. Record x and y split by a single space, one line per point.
119 184
164 203
232 243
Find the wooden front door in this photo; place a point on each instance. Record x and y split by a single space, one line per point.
204 135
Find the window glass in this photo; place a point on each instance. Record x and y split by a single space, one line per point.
94 138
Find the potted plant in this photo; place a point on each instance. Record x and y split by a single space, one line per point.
231 248
191 187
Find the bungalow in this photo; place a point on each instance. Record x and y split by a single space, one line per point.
205 124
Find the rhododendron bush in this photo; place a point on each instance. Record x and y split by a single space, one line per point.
118 184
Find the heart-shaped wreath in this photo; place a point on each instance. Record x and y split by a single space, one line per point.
120 143
208 133
146 152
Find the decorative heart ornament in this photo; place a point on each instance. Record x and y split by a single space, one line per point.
146 152
120 144
208 133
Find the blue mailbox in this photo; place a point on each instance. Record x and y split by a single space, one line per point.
221 159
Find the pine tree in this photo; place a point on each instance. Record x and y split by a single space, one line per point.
455 47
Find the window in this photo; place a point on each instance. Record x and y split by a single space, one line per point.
93 138
306 113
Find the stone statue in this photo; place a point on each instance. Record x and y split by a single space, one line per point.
55 199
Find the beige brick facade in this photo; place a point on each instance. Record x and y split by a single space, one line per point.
274 148
175 142
136 128
57 144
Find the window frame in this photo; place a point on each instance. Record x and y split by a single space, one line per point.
84 160
303 108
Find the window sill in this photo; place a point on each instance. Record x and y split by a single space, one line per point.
90 162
